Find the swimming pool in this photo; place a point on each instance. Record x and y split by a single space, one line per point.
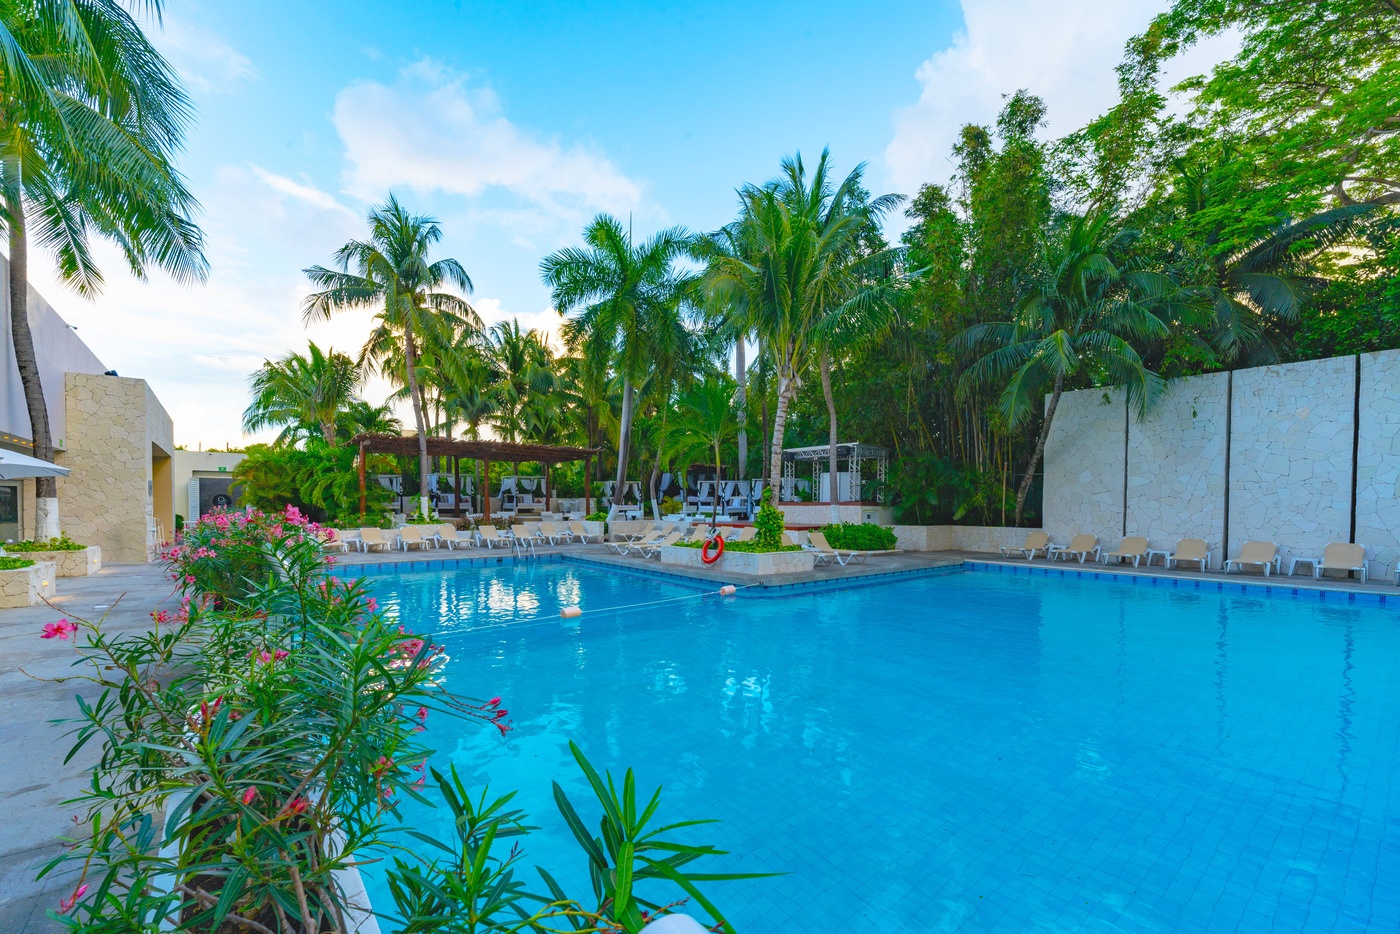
971 752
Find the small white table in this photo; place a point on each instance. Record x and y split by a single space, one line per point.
1164 553
1293 565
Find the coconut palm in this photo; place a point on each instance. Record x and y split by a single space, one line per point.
90 115
793 258
302 393
1080 314
522 367
706 419
392 271
625 300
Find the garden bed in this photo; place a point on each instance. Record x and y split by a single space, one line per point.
71 563
28 585
763 563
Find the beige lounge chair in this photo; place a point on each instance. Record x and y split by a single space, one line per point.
653 549
524 538
491 537
1256 554
697 533
1035 541
448 535
582 534
1191 549
623 547
1341 556
372 538
411 536
334 540
842 556
554 533
1134 546
1083 545
746 534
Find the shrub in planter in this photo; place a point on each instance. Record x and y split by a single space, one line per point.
859 536
15 564
62 543
768 526
257 743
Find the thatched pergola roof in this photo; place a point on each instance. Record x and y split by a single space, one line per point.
501 451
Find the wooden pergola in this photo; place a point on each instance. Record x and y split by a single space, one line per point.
484 451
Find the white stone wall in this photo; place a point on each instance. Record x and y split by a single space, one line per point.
1378 460
1176 464
1084 467
1290 455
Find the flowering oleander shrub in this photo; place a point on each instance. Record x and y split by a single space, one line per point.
257 742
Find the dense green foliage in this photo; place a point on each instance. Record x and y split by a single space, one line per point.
15 564
320 480
862 536
768 527
62 543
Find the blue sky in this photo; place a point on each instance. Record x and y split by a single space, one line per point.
515 123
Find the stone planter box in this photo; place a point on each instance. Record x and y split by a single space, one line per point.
594 528
27 586
70 563
738 562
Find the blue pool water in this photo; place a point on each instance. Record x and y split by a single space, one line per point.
968 752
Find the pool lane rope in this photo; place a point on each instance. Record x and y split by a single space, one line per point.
728 590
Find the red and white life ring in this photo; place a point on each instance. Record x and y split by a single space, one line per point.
718 541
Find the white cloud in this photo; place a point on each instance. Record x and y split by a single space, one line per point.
1065 52
208 64
434 131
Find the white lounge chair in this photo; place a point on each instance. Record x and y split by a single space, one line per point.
411 536
524 538
372 538
448 535
491 537
1341 556
582 534
1257 554
334 540
1191 549
1035 541
1082 545
554 533
626 547
843 556
1134 546
653 549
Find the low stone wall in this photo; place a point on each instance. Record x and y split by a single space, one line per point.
71 563
983 539
737 562
820 513
27 586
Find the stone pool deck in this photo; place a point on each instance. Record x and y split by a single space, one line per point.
34 781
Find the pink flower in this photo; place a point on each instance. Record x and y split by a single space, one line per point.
65 905
422 714
160 616
503 727
280 654
494 702
371 604
59 630
296 806
381 765
411 647
250 794
189 578
293 514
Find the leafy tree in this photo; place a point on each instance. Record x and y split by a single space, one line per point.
392 271
1080 315
301 393
90 117
625 299
706 421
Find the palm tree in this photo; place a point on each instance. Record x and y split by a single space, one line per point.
522 367
1080 314
793 259
706 419
626 300
361 418
302 393
392 271
90 115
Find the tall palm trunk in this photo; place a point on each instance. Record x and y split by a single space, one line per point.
624 441
1025 487
741 398
328 432
45 488
719 475
411 365
787 387
833 489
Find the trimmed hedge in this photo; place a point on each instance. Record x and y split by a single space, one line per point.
859 536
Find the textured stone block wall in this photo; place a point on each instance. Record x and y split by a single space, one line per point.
1176 464
1084 466
1290 455
1378 459
106 499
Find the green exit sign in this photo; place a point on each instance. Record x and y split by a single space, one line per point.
223 470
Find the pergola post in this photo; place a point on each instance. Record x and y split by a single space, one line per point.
362 481
486 494
587 485
546 487
457 485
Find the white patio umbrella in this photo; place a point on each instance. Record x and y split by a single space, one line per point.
16 466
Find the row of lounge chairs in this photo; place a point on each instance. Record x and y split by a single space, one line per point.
448 536
1337 556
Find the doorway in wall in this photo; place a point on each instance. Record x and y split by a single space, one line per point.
10 530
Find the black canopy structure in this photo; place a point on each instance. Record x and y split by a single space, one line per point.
485 451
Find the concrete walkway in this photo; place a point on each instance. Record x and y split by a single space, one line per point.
34 781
